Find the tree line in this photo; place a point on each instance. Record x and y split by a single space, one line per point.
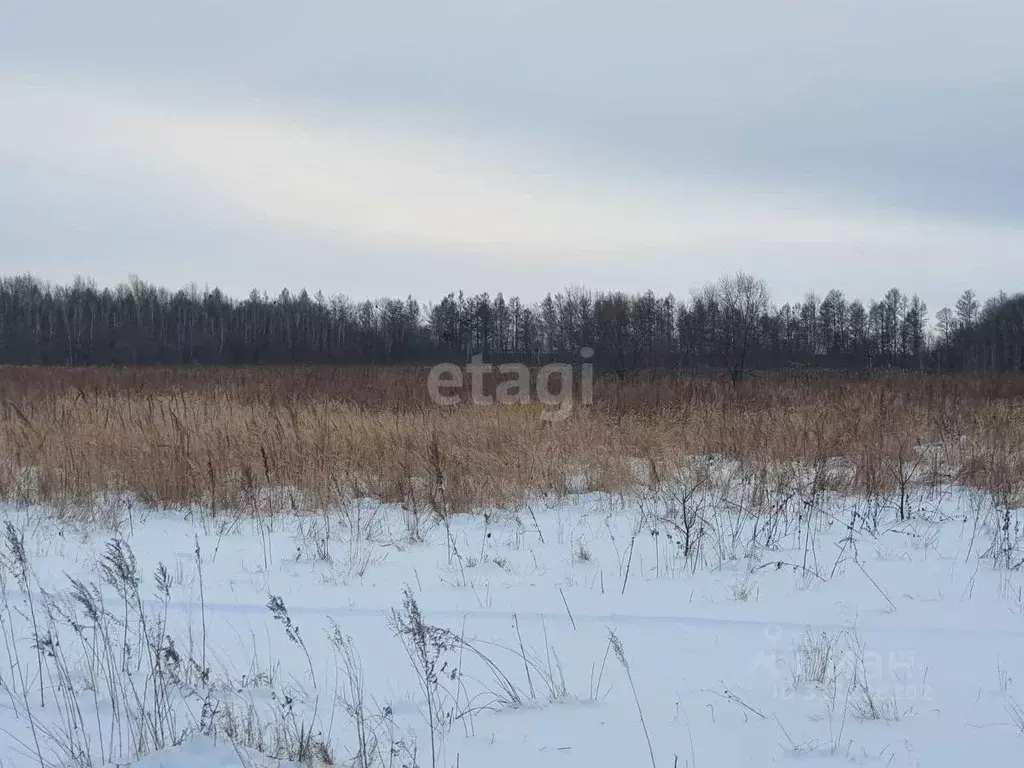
731 323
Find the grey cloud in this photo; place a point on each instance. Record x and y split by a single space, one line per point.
912 106
915 104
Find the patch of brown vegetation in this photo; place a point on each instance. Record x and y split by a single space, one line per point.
225 438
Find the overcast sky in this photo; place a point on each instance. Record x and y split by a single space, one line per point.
387 148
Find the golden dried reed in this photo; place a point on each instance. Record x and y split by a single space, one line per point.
225 438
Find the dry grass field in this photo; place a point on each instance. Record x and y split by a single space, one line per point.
828 567
305 438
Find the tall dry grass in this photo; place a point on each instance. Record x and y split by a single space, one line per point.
307 437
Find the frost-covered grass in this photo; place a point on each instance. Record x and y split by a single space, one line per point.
675 626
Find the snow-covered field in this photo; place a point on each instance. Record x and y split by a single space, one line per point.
662 628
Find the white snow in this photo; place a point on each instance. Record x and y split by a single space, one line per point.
911 634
